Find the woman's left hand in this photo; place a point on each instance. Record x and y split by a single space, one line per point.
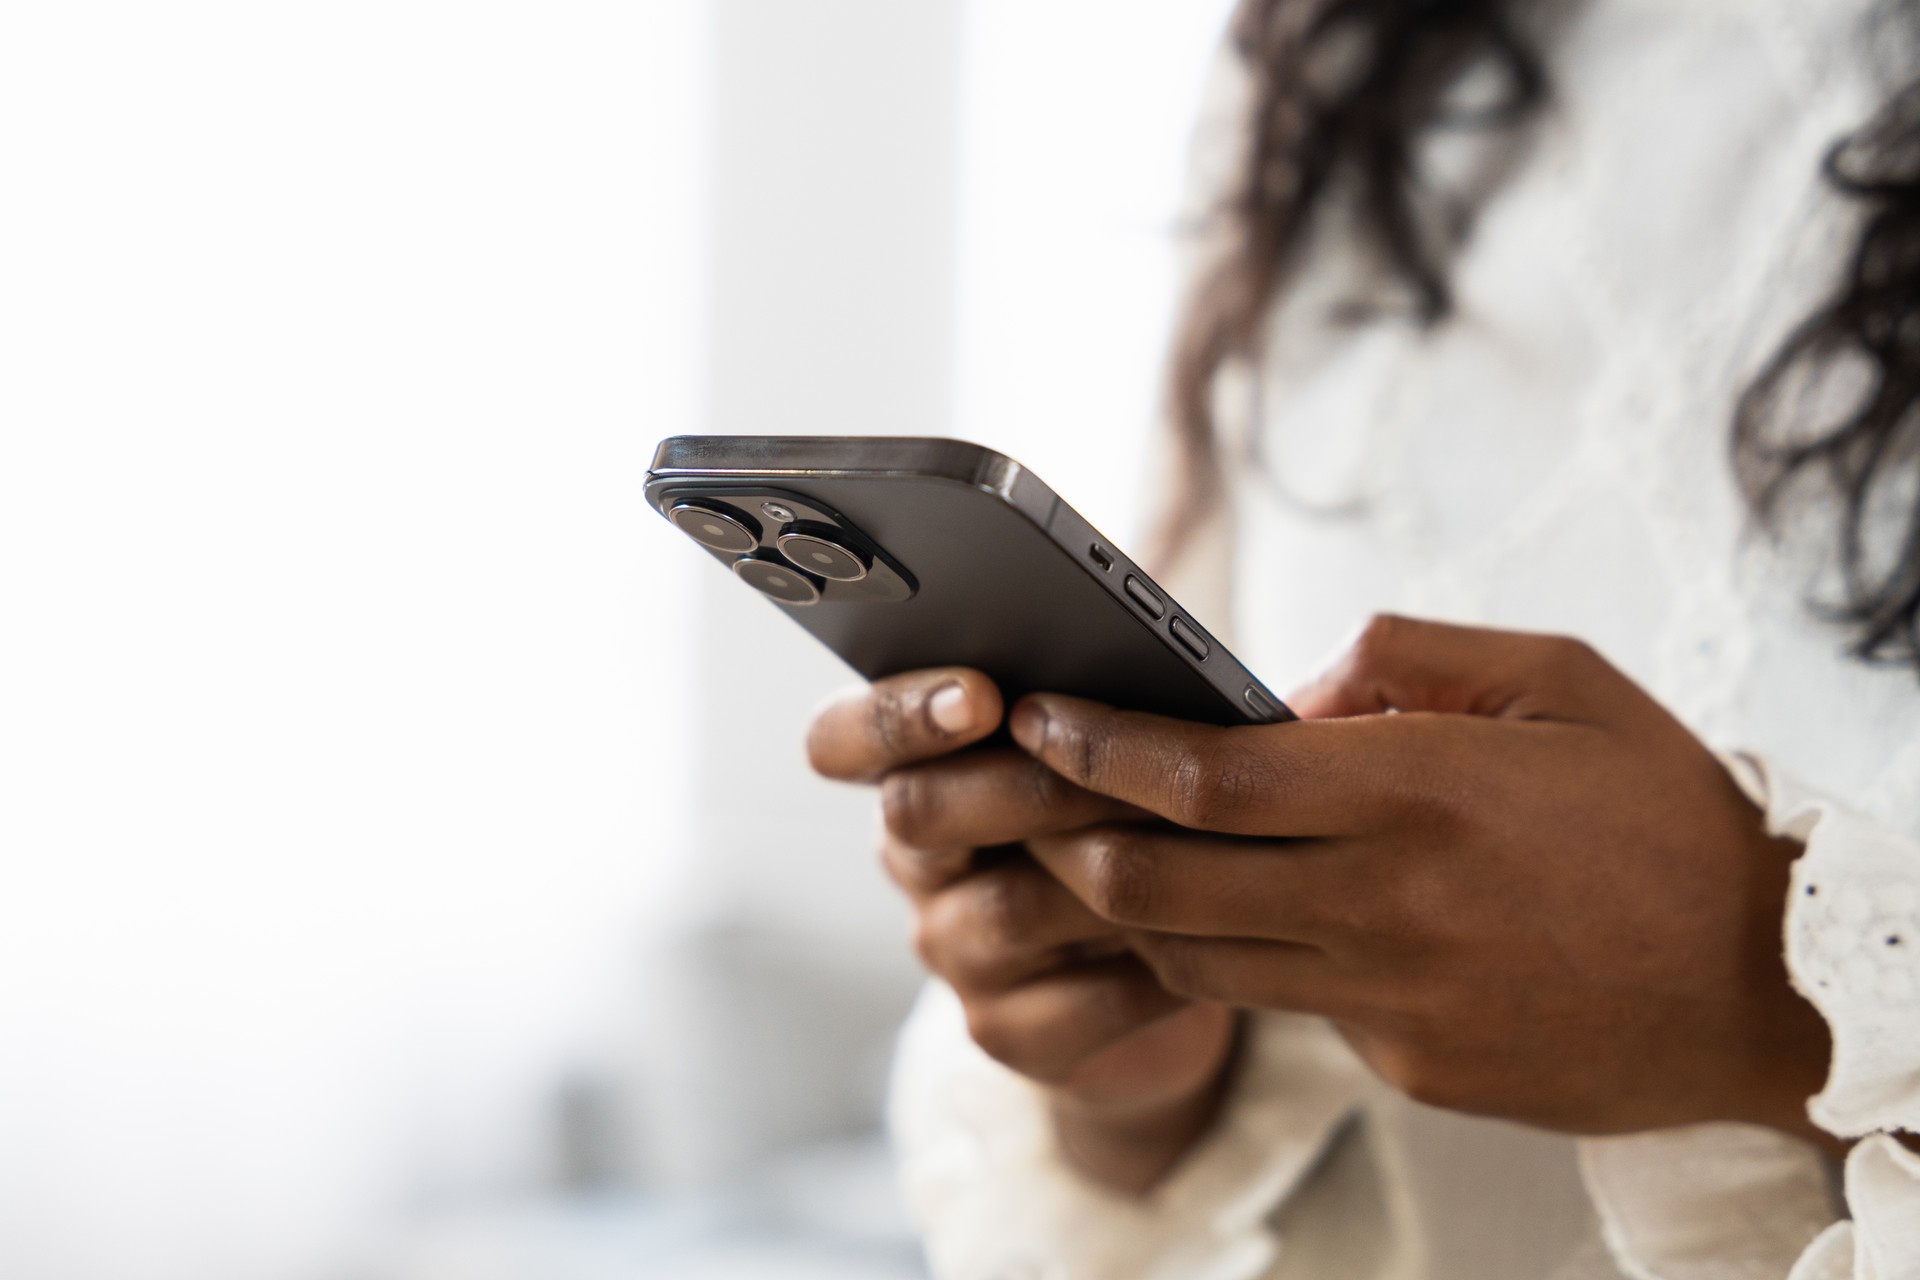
1531 893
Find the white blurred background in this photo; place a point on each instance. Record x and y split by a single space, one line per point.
407 866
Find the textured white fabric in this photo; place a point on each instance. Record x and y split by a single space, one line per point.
982 1170
1708 1201
1554 457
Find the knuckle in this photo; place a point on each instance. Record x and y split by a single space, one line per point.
921 870
1393 1062
1379 638
997 1038
901 860
1444 797
1129 1001
1434 1086
1566 660
1121 883
1209 790
1175 962
1417 1073
1446 814
1047 790
1401 927
1575 651
909 803
1082 745
1001 909
892 717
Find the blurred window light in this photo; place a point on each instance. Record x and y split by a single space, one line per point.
1076 126
333 343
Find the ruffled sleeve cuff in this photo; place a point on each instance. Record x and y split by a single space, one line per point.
1853 949
1882 1241
996 1201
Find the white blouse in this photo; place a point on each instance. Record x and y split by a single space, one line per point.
1553 457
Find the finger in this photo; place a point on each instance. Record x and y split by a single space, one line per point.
1177 882
988 797
1047 1028
1251 974
1161 1063
1329 777
922 871
863 733
1406 664
999 928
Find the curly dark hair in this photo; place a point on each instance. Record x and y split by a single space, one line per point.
1342 92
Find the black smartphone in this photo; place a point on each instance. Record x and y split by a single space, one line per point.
906 552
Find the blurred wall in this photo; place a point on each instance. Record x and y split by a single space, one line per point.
928 218
1077 124
830 312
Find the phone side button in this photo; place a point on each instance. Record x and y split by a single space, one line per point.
1259 703
1138 593
1192 641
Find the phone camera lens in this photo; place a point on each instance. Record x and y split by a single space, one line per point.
771 578
777 512
715 526
822 558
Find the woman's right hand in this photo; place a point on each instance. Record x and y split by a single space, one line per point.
1050 989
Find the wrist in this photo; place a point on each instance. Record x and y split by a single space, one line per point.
1788 1049
1791 1063
1131 1145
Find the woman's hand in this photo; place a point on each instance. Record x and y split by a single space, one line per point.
1050 989
1530 894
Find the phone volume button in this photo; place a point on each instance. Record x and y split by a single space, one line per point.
1149 602
1190 640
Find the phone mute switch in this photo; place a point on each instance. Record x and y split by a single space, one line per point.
1138 593
1190 640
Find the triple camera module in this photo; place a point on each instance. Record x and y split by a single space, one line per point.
792 550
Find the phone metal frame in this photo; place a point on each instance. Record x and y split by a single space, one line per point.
771 459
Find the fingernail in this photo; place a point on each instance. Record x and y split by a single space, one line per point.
1029 725
950 709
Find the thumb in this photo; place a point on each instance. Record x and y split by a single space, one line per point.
1407 664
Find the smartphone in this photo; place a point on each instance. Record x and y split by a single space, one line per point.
900 553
